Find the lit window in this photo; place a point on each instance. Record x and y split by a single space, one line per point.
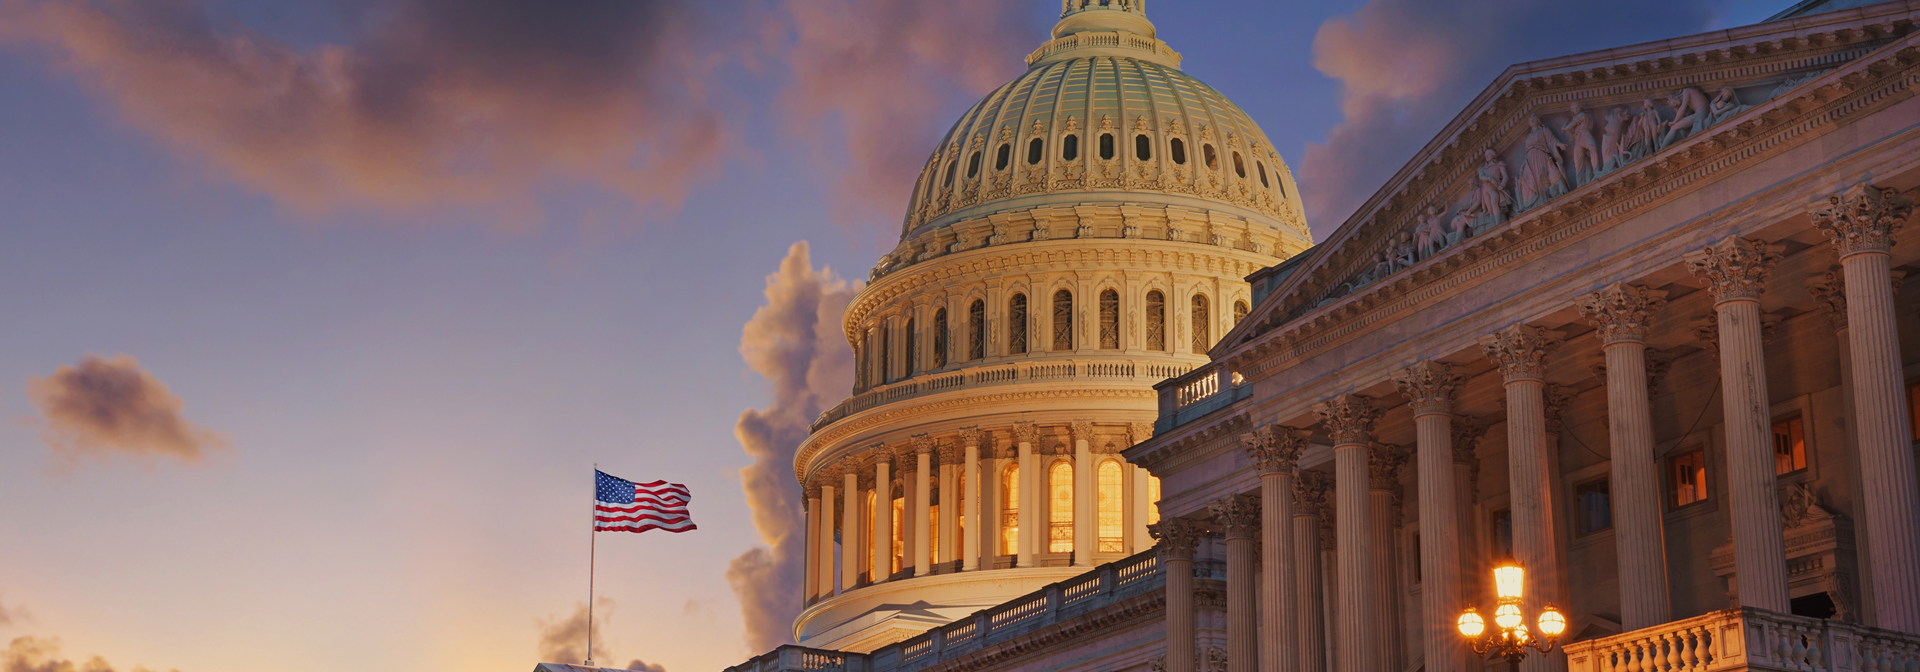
1789 447
1070 147
1689 478
1017 325
1206 153
865 555
1156 320
1106 146
1202 338
1060 507
933 530
1153 499
1035 151
1595 506
1239 311
1010 509
1142 147
896 548
960 509
1111 517
1109 320
977 330
1062 320
1178 150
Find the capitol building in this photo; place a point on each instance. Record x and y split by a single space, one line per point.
1633 321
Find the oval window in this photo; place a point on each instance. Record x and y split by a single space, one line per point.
1206 154
1142 148
1178 150
1263 174
1033 151
1001 157
973 165
1239 168
1106 146
1070 147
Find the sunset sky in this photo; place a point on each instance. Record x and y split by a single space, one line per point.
318 313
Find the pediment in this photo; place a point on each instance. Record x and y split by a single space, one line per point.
1645 110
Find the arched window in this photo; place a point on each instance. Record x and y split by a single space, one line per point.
973 164
1034 151
865 555
1201 336
1062 320
950 168
1112 537
1070 147
1156 320
1106 146
1002 156
1239 167
977 330
886 353
1153 499
1239 311
898 543
1143 147
1060 507
939 338
931 526
1178 150
1017 325
1010 509
1109 320
960 512
860 365
1263 174
1206 154
913 348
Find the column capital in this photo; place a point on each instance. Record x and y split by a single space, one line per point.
1082 430
1622 313
948 453
1275 448
828 476
1139 432
1556 399
1025 432
877 454
1467 433
1736 269
1430 387
1862 218
971 436
1177 537
1521 351
1237 514
1829 289
1348 417
1383 466
813 490
1310 489
923 443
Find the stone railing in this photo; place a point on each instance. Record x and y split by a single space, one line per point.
1749 639
1201 391
1034 371
1114 40
1100 587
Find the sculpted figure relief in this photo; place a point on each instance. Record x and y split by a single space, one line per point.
1643 135
1542 174
1585 154
1613 137
1690 114
1725 105
1429 236
1490 198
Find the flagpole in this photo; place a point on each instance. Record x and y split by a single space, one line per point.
593 537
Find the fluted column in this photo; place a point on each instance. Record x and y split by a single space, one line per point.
1177 539
1238 516
1621 313
1383 484
947 548
1310 624
1276 450
1431 388
1349 420
1085 522
1737 270
922 498
970 470
1142 505
882 541
1026 434
1467 433
850 548
1861 222
823 559
1521 353
809 576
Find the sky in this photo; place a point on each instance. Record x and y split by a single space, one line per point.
319 313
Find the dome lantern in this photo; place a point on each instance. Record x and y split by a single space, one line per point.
1106 16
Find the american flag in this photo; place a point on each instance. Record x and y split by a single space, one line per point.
620 505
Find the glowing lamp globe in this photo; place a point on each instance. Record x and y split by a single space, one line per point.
1509 580
1507 616
1551 622
1471 625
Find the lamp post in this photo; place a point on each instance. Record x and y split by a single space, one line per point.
1510 636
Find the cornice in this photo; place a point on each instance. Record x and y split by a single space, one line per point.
1145 606
1190 443
1866 84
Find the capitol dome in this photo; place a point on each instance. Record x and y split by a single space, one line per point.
1104 114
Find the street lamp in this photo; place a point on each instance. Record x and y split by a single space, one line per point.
1510 636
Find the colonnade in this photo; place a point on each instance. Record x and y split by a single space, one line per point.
1286 518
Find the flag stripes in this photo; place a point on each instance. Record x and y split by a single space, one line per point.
624 506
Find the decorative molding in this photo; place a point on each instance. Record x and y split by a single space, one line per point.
1520 351
1082 430
1829 290
971 436
1025 432
1237 514
1383 466
1348 418
1310 490
1275 448
922 444
1622 313
1139 432
1430 387
1736 268
1557 398
1862 218
1177 538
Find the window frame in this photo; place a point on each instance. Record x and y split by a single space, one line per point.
1036 151
1580 528
1156 331
1704 477
1177 150
977 330
1003 157
1106 147
1200 313
1018 308
1070 147
1063 337
1142 147
1109 319
1058 517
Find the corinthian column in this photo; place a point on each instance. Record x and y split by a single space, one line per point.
883 511
1621 314
922 499
850 548
1178 537
1431 388
823 562
1239 516
1349 420
970 545
810 576
947 545
1861 222
1383 485
1309 499
1521 352
1738 270
1084 520
1275 450
1467 433
1025 433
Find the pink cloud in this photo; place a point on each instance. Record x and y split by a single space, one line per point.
104 407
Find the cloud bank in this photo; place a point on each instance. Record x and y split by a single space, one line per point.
33 654
564 640
796 344
105 407
1406 67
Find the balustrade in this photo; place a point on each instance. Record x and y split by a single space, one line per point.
1749 638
